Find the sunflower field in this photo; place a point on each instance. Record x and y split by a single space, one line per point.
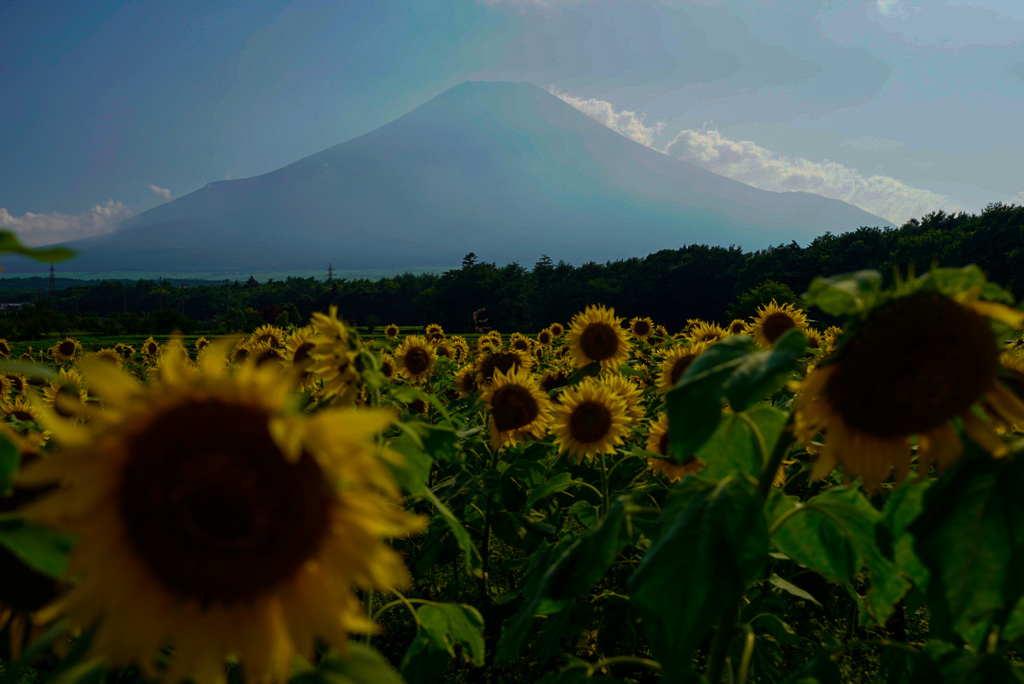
603 501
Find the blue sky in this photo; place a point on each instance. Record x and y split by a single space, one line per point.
898 106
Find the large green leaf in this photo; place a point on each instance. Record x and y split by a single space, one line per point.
846 294
360 664
834 534
10 460
440 628
10 244
700 564
734 445
43 549
570 575
735 369
970 535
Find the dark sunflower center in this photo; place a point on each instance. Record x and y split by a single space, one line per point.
663 444
557 330
387 368
152 348
513 407
268 338
67 348
775 324
599 341
813 342
66 402
641 328
915 363
241 354
301 356
4 349
553 381
737 327
467 381
268 355
417 361
590 421
521 345
503 361
544 338
679 367
443 351
212 507
22 415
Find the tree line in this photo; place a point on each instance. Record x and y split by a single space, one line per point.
671 286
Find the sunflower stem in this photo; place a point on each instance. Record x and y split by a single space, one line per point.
781 450
605 502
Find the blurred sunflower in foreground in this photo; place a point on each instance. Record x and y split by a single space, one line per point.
919 357
214 516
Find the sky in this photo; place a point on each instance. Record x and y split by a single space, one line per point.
900 107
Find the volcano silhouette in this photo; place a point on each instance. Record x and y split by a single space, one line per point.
505 170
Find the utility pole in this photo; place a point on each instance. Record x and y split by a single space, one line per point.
330 272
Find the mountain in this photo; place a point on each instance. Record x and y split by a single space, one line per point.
505 170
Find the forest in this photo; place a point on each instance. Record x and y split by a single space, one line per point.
671 286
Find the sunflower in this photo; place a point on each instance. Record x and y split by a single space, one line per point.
66 350
5 387
658 443
707 332
465 380
519 409
737 327
240 352
213 517
201 344
556 329
659 336
415 358
264 353
443 349
66 393
597 336
269 335
388 366
555 378
677 360
460 346
520 343
334 356
504 361
298 350
832 335
434 332
815 340
545 337
126 351
18 383
641 328
391 332
627 391
5 349
109 355
150 347
591 419
772 320
879 391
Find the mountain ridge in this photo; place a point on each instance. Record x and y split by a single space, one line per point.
505 170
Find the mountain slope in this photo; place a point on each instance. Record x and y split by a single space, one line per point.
507 171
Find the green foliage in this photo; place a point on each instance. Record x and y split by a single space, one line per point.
747 304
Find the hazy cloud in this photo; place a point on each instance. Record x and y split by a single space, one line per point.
1017 199
625 122
749 163
44 229
892 8
161 192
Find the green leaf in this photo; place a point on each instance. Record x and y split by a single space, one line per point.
29 369
792 589
359 665
585 511
572 574
970 535
10 460
449 624
735 369
903 507
10 244
558 483
699 566
734 445
474 562
834 535
43 549
846 294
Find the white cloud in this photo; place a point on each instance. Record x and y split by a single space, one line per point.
625 122
892 8
1017 199
748 162
161 192
45 229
